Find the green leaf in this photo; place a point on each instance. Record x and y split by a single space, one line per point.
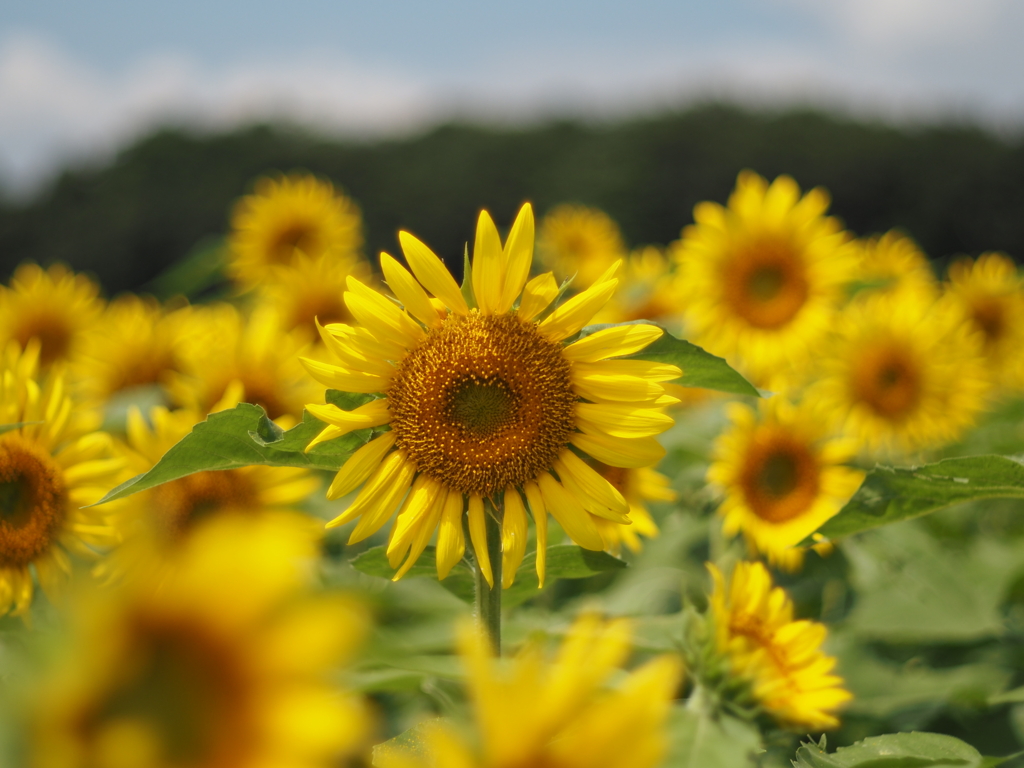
894 750
564 561
460 582
889 495
17 425
467 280
1014 696
700 368
702 741
244 436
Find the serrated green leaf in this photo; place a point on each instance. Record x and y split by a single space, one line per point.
889 495
17 425
700 369
894 750
564 561
243 436
699 740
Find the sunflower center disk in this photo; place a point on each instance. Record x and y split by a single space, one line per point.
780 480
296 237
766 283
991 318
482 403
889 382
32 502
184 502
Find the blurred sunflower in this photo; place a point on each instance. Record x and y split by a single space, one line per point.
135 343
790 676
483 403
782 477
989 294
55 306
49 469
647 291
158 521
760 280
900 374
286 217
557 715
637 487
244 360
581 241
222 660
893 264
311 289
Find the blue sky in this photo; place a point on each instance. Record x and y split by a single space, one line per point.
78 80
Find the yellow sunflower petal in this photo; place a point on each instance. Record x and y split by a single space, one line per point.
451 543
540 520
518 258
487 265
478 535
513 536
616 341
360 466
537 295
333 377
593 484
577 311
621 420
408 291
432 273
573 518
618 452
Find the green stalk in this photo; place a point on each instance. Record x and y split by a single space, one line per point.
488 601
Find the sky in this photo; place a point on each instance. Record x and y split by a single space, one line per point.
79 80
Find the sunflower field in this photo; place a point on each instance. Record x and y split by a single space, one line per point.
748 498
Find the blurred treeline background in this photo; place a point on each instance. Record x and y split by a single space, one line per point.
955 189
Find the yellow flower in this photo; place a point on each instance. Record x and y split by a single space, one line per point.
900 374
782 659
222 660
648 291
532 713
55 306
484 403
135 343
49 469
156 522
286 217
782 477
581 241
244 360
989 294
761 279
893 264
636 486
311 289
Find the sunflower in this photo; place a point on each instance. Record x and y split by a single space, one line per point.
310 289
560 715
782 477
893 264
135 343
761 279
249 360
637 486
286 217
55 306
648 290
989 294
900 374
49 469
222 660
581 241
484 402
157 522
789 674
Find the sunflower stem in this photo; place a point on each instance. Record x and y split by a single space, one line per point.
488 601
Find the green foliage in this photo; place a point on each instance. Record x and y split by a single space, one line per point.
128 220
564 561
700 369
244 436
894 750
700 740
889 494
